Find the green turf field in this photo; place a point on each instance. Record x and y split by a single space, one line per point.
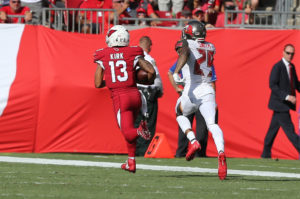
26 180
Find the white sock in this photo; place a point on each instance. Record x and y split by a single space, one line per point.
184 123
132 158
191 136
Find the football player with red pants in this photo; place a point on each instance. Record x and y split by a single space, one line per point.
118 63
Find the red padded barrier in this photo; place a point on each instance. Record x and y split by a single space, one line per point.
54 107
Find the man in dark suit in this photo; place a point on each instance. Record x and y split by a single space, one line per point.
283 83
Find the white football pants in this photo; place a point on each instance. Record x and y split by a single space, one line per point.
207 106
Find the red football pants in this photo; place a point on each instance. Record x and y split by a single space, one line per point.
127 105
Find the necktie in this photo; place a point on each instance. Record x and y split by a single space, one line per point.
291 81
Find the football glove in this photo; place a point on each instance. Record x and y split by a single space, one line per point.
178 80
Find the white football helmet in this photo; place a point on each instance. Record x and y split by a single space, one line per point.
117 36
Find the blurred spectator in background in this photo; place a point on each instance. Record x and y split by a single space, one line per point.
90 19
107 4
121 7
207 6
174 6
246 5
154 4
59 3
36 6
243 5
4 3
93 21
141 14
232 18
151 93
15 8
218 6
254 4
184 14
134 5
199 15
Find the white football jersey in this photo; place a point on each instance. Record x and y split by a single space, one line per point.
198 68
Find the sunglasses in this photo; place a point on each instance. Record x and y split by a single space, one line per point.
289 53
230 7
16 1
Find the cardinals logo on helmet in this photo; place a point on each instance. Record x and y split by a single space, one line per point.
110 32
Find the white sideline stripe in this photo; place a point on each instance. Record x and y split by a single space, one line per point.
144 167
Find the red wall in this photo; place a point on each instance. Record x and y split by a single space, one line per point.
54 107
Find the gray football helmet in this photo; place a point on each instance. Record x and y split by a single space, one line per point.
194 30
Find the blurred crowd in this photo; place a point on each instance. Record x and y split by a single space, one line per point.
210 12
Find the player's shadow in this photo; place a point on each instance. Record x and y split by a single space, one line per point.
192 176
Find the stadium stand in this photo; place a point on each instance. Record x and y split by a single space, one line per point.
268 15
71 16
165 15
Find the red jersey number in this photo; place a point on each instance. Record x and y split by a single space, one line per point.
205 57
121 66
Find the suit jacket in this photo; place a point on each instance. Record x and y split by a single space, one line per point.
280 87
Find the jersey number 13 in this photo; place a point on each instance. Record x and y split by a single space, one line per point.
118 64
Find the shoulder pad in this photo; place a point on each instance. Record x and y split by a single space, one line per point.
180 44
98 54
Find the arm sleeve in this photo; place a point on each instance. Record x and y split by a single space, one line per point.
172 69
214 76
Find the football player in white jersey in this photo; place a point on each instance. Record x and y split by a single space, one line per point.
195 61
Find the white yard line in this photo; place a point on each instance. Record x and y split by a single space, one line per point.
144 167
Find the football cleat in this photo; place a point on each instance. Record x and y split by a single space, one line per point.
192 150
222 168
143 130
129 166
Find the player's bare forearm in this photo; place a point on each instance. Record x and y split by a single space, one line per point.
147 66
103 84
182 59
99 82
170 76
175 86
